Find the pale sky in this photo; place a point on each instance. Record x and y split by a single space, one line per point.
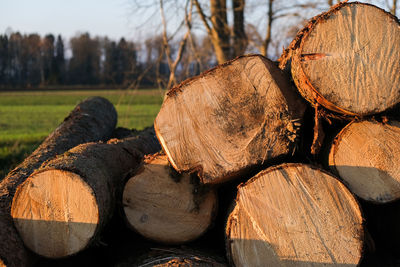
110 18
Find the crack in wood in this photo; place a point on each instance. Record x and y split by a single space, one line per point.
313 56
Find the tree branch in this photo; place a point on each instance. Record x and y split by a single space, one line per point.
203 17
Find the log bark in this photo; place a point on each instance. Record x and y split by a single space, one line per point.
346 59
365 155
229 119
166 206
165 257
92 120
63 207
294 215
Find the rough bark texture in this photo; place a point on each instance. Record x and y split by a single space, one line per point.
166 206
172 257
294 215
236 116
346 59
365 156
92 120
62 207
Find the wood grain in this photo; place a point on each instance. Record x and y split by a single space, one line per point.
347 59
365 156
238 115
56 203
93 119
71 198
165 206
294 215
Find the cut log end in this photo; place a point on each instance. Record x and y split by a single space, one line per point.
241 114
165 206
347 60
365 156
167 257
92 120
295 215
55 213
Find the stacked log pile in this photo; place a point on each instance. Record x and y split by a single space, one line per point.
241 173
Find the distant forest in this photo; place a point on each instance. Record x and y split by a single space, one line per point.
33 61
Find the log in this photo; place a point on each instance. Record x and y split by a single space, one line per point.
294 215
166 206
365 156
92 120
239 115
347 59
63 207
165 257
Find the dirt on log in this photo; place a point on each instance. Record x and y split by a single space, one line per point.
294 215
92 120
167 206
347 59
241 114
365 156
63 207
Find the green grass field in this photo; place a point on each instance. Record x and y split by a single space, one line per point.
26 118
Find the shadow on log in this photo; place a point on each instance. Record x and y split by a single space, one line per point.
92 120
167 206
63 207
295 215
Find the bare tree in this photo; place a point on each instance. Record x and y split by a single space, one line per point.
182 44
217 28
290 15
270 18
228 42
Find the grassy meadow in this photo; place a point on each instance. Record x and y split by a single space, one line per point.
26 118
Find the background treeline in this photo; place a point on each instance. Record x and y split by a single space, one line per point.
30 61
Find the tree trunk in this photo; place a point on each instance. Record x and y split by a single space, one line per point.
166 206
346 60
220 31
166 257
92 120
394 7
294 215
231 118
62 207
268 34
330 2
239 35
365 156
